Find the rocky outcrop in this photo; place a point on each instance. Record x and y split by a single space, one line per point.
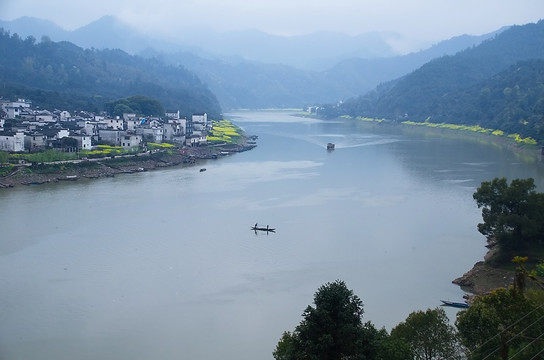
483 278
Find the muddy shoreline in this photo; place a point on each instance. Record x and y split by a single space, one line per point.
99 168
482 279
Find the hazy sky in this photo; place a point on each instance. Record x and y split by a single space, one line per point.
418 20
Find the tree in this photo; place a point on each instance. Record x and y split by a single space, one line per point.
502 324
333 329
381 346
286 349
141 105
429 335
513 214
120 109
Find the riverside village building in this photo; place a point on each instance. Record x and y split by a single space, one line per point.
25 129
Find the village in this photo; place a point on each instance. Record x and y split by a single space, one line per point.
140 143
25 129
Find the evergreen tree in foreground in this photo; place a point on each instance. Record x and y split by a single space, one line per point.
333 329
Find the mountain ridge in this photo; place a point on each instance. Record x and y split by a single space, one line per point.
482 85
65 75
242 83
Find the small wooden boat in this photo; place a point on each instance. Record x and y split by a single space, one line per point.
68 178
455 304
267 229
330 146
34 183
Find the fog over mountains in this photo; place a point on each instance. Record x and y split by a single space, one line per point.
315 51
252 69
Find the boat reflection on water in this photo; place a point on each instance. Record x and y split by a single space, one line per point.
266 229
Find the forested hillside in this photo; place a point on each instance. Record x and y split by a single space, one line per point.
240 83
251 69
496 85
65 76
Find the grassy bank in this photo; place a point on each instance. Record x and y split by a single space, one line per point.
526 149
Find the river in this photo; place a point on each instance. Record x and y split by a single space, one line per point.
163 264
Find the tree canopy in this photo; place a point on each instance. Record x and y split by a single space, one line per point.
138 104
503 324
65 76
333 329
513 215
429 335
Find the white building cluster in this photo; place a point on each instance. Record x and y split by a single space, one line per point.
25 129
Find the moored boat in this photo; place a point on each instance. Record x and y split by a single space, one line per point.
455 304
68 178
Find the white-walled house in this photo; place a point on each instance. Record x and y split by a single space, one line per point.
114 124
172 114
129 141
45 117
64 116
153 122
174 131
88 127
13 112
35 142
83 141
12 141
62 133
120 138
196 140
200 119
53 134
112 137
20 104
132 123
23 103
129 116
151 134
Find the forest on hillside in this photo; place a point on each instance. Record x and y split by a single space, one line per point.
496 85
64 76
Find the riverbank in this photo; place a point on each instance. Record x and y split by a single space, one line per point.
36 174
483 278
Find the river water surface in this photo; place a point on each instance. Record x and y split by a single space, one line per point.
163 265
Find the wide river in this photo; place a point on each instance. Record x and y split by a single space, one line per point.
163 264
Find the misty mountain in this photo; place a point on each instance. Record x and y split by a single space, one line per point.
362 75
63 75
314 51
239 83
268 80
495 85
104 33
29 26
